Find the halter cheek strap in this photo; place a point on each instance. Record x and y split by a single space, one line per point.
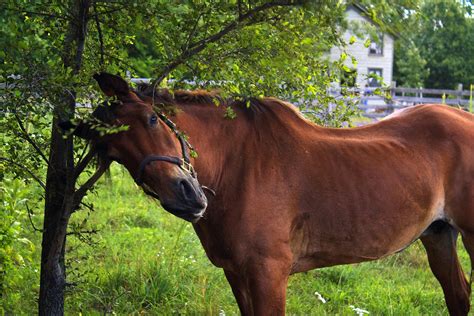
184 163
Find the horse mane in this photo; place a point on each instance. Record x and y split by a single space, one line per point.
165 96
167 100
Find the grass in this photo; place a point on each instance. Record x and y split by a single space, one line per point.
361 120
146 261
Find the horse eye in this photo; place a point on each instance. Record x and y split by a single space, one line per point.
153 120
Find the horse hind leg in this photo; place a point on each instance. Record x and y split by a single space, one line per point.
440 243
468 241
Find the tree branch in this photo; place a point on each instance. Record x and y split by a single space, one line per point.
24 168
82 164
92 231
192 32
84 151
90 207
49 15
29 140
31 220
239 8
82 32
82 190
99 33
98 13
198 46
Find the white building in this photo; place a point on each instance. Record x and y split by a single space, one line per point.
376 59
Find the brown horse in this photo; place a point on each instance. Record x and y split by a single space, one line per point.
291 196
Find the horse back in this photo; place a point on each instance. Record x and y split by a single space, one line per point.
376 189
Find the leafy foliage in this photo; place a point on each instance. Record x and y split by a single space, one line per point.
273 52
437 45
410 67
16 250
446 41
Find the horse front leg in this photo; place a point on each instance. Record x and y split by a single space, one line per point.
267 280
241 294
260 286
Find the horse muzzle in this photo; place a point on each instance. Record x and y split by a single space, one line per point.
184 197
189 202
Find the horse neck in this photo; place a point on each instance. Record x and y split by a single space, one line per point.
249 137
215 139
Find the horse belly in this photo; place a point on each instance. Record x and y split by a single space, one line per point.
367 229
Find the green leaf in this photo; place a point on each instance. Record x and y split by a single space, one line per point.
343 56
230 113
306 41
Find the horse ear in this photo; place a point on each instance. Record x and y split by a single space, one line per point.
112 85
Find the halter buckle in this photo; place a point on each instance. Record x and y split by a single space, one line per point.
187 166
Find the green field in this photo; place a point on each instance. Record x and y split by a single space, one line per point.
145 261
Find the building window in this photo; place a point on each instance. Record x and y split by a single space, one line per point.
375 76
376 45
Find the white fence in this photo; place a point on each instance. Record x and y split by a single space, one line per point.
376 105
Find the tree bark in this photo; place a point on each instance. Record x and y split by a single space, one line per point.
53 275
60 179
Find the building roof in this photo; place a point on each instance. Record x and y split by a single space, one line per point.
366 14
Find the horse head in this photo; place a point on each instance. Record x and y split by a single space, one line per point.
148 145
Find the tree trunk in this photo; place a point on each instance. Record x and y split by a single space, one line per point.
56 217
60 180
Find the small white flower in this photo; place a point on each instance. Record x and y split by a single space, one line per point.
320 297
221 312
359 311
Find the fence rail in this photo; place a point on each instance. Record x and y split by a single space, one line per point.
376 105
452 97
430 91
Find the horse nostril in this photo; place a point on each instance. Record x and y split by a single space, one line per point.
187 190
191 193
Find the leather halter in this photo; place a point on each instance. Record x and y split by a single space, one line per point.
184 163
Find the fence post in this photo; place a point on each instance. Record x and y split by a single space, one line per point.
470 100
459 94
393 85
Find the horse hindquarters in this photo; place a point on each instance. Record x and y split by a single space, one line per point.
440 245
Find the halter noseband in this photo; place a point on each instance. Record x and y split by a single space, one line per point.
184 163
